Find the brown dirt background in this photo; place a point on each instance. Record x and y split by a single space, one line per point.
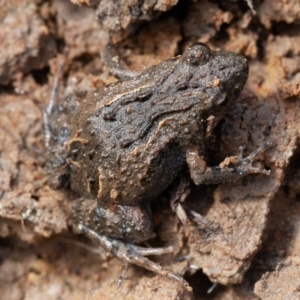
251 246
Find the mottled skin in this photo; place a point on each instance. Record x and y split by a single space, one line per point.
127 142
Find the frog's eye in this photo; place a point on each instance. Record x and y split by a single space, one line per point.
198 54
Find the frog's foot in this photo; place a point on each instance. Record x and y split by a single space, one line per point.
179 195
244 165
133 254
203 222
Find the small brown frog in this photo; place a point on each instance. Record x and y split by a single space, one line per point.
123 145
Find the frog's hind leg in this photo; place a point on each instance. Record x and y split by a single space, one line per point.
115 64
132 254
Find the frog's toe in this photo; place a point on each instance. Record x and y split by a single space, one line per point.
255 153
244 165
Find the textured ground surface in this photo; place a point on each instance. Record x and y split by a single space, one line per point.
250 247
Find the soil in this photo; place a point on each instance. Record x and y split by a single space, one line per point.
249 246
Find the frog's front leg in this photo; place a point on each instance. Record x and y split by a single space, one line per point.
202 174
115 64
178 195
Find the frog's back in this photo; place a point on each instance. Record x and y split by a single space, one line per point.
128 140
123 147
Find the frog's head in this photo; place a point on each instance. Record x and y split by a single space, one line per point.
218 75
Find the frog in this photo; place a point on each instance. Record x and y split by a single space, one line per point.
121 146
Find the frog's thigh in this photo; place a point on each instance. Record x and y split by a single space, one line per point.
118 221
